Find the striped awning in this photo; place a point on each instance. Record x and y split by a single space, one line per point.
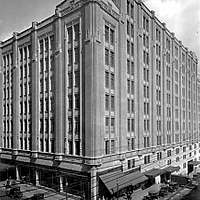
154 172
172 169
118 180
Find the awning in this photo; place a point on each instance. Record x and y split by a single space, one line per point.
195 162
154 172
172 169
4 167
118 180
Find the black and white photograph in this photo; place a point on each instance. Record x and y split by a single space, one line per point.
99 100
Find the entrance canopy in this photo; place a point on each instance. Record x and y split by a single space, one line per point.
172 169
116 181
154 172
4 167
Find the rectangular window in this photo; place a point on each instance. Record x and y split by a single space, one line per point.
112 59
107 57
107 79
112 146
112 103
107 120
132 143
69 30
77 147
77 54
70 58
112 125
107 147
76 32
107 34
112 37
112 77
107 102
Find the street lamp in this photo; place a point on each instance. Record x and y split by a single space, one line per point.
66 186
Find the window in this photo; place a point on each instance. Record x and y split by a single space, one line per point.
107 57
69 30
169 162
169 153
107 79
77 126
112 37
132 143
70 58
77 101
132 125
159 141
76 32
107 120
70 147
77 147
112 103
76 55
159 156
107 147
107 102
146 159
77 79
131 163
129 125
112 77
128 28
107 34
112 125
112 148
146 142
128 67
112 59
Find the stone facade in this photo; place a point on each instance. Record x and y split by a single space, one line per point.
99 85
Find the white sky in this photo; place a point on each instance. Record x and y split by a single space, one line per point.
181 17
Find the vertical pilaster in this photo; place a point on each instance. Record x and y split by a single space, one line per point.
1 97
122 83
59 73
153 80
16 95
35 93
93 186
139 82
164 88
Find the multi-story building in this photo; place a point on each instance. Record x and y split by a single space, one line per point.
95 96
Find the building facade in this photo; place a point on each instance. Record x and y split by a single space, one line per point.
98 86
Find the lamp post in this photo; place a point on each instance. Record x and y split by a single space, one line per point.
66 187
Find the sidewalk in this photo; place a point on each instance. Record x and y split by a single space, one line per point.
29 190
